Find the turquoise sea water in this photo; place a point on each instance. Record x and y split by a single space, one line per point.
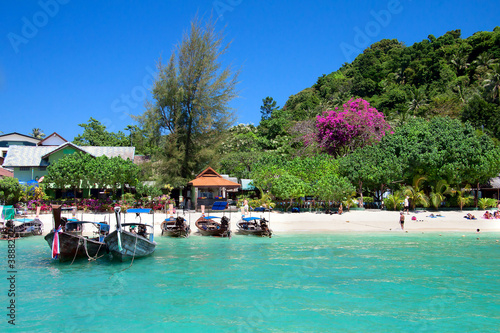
313 283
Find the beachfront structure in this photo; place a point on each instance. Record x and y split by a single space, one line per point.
31 162
17 139
209 187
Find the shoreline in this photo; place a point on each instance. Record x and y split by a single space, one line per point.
366 221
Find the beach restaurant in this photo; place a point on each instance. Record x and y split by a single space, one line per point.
209 187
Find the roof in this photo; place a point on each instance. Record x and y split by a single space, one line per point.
210 178
32 156
5 173
52 136
6 135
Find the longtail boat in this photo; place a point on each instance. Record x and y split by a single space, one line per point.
207 226
175 227
257 226
68 243
133 243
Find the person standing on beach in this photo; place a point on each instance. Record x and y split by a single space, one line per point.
407 205
245 205
402 220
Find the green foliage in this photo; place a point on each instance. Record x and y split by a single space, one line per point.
462 196
441 148
484 203
144 190
81 170
332 187
190 105
95 134
436 76
415 192
10 190
394 201
267 108
439 192
264 201
37 133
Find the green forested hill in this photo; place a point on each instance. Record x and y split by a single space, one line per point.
446 76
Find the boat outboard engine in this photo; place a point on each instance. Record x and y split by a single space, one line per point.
141 230
179 222
9 224
224 222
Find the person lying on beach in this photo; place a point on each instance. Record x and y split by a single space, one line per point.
469 216
487 215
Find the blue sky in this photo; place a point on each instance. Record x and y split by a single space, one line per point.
64 61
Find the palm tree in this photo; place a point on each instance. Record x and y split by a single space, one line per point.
492 83
418 99
483 62
460 63
394 200
415 192
462 197
440 190
37 133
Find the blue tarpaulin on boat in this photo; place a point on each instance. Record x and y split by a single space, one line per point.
248 219
139 210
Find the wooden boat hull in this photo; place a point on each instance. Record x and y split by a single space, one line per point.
132 245
72 247
212 228
245 228
170 229
176 232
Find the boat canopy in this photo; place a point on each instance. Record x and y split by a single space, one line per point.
139 210
211 217
248 219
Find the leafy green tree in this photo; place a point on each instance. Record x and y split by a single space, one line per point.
442 148
191 100
71 171
80 170
95 134
289 187
267 108
10 190
332 187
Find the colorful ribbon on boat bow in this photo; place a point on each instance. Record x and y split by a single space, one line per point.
55 243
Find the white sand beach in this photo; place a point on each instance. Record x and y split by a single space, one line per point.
353 221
